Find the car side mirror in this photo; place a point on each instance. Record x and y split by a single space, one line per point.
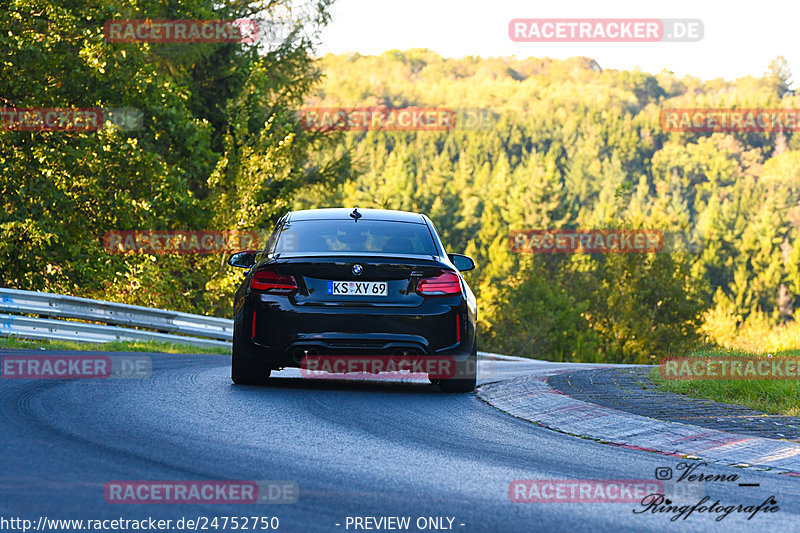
461 262
244 259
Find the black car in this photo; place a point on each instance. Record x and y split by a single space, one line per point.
353 282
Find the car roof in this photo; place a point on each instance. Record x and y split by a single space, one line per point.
343 213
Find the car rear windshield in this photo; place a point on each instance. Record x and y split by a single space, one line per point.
380 236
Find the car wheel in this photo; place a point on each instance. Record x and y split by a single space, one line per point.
466 376
246 368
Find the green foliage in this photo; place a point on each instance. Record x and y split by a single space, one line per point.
115 346
776 396
564 144
574 146
218 148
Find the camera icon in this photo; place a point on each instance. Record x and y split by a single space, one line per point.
663 473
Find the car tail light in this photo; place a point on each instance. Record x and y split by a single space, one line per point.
444 284
272 282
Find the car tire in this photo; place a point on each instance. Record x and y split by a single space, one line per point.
467 373
246 368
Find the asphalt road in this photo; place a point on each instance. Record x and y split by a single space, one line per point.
355 449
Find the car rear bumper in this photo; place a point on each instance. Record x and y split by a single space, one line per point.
285 333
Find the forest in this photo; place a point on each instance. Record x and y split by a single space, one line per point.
558 145
568 145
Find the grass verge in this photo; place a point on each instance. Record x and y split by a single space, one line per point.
116 346
771 396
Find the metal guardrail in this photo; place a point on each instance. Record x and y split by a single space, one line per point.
157 324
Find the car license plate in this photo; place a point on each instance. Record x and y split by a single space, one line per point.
358 288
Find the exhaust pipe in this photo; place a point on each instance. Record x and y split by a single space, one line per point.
405 351
305 353
410 352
